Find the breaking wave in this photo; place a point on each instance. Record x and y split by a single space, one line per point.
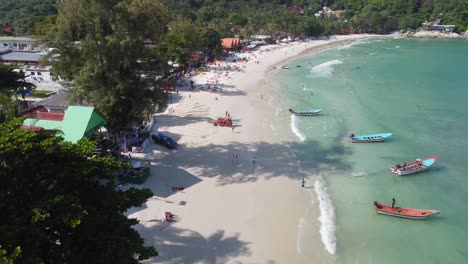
325 69
295 128
327 216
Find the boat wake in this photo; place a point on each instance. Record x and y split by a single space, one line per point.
358 174
295 128
325 69
327 216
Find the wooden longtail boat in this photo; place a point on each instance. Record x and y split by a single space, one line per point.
417 166
369 138
403 212
306 112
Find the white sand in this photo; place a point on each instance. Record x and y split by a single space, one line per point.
230 211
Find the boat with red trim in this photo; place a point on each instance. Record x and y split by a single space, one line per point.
408 213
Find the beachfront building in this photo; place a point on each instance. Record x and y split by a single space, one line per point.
26 44
230 44
261 39
74 124
24 58
437 26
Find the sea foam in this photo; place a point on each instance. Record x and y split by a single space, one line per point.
327 216
295 129
325 69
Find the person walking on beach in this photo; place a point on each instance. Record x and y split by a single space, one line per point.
302 182
393 202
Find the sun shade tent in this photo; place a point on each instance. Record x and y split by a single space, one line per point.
79 122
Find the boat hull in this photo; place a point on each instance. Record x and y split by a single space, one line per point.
370 138
407 213
306 113
414 167
402 216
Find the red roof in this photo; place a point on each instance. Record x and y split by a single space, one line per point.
50 116
230 43
40 112
8 29
32 128
32 113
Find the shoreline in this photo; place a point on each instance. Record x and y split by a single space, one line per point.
232 209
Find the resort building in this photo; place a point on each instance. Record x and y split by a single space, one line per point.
26 44
76 123
230 44
437 26
25 58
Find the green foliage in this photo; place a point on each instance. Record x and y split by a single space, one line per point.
11 84
101 52
62 206
253 16
9 259
24 14
377 16
13 81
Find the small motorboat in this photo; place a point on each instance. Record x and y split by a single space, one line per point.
369 138
417 166
306 112
403 212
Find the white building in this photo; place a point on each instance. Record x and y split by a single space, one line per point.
24 44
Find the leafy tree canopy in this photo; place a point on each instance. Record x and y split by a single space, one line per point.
12 83
101 50
62 206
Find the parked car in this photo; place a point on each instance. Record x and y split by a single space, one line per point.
164 140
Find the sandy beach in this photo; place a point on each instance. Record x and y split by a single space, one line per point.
242 200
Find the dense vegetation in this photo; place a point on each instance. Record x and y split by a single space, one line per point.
25 15
12 84
246 17
59 204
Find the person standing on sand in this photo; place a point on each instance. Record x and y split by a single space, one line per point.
302 182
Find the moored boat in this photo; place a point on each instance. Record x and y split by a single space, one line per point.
369 138
413 167
403 212
305 112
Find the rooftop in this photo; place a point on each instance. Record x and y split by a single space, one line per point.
16 38
22 56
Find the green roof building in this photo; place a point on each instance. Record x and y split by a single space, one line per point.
78 122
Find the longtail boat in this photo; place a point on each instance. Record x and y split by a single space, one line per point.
417 166
403 212
306 112
369 138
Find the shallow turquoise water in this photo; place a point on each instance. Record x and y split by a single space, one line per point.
416 89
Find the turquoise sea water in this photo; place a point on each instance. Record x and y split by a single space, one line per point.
416 89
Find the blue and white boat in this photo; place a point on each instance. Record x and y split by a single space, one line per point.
306 112
369 138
